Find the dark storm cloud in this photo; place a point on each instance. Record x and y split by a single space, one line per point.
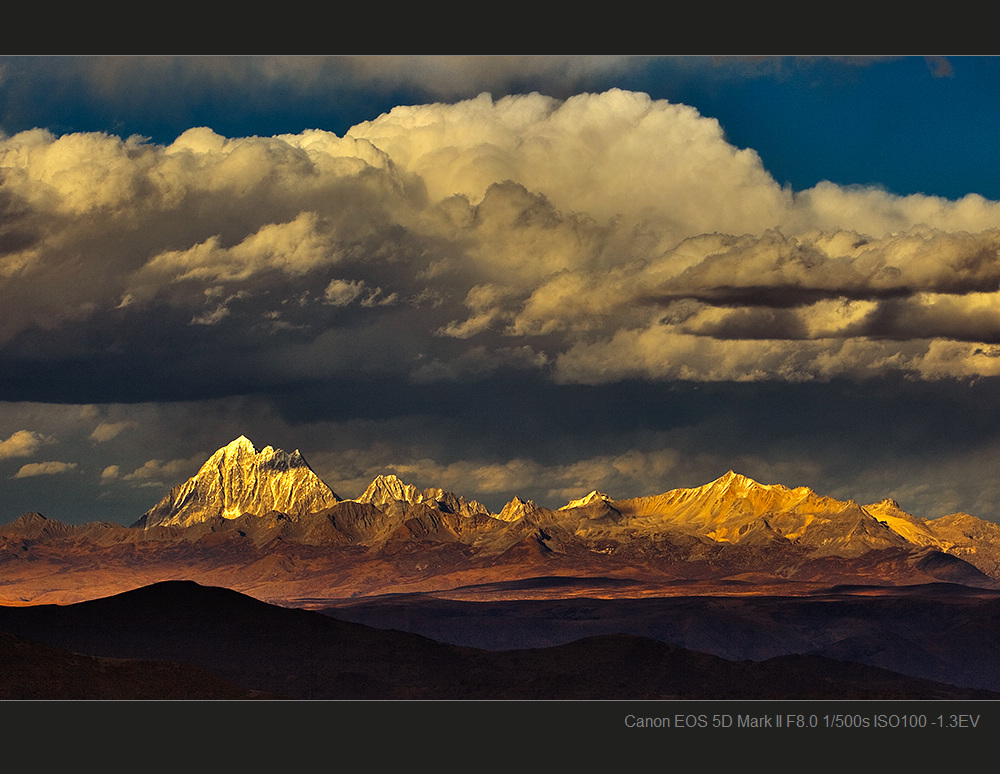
970 318
514 296
17 233
503 437
433 244
775 270
919 285
162 96
760 321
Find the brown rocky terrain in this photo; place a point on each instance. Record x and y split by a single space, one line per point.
264 523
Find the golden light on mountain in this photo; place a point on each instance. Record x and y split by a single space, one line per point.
266 523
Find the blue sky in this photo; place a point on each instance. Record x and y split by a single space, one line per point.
787 266
912 124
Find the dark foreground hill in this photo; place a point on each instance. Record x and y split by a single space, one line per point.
941 632
293 653
29 670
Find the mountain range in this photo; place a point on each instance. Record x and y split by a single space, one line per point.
238 482
750 589
264 523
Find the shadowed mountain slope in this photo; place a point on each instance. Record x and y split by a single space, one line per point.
939 632
29 670
303 654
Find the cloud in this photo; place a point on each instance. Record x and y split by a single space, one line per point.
342 292
157 86
293 248
617 154
160 473
75 174
33 469
106 431
557 483
451 76
22 443
785 270
600 237
664 353
479 362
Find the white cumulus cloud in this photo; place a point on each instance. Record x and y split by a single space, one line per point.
598 237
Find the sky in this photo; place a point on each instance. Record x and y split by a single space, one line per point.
529 276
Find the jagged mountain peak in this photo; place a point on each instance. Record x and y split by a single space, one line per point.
242 449
516 509
594 496
735 506
33 524
449 501
732 480
239 448
241 443
31 517
238 480
390 480
733 484
386 488
278 501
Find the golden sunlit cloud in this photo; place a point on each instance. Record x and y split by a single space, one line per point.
33 469
22 443
596 238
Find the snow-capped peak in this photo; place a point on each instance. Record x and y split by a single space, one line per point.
386 488
594 496
238 480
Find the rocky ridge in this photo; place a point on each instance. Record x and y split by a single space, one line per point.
238 480
259 516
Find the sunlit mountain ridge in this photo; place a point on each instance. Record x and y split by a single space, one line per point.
238 481
265 521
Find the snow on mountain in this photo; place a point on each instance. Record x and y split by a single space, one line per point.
722 507
388 489
239 480
594 496
516 509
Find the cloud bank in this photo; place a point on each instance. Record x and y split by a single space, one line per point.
588 240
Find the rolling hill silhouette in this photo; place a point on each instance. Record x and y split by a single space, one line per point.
300 654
